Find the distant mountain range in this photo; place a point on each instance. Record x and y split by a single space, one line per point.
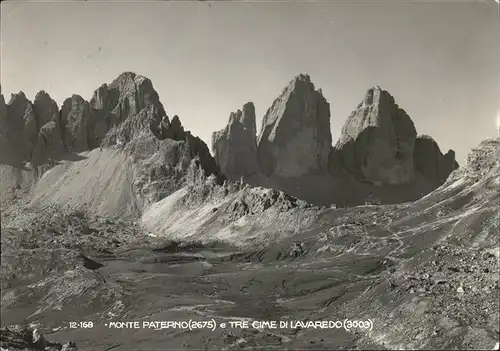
378 158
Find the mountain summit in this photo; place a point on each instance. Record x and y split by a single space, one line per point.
378 149
378 140
295 137
151 158
235 147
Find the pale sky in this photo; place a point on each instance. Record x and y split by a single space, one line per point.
439 59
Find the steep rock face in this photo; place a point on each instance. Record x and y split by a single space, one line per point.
172 129
377 141
235 147
21 126
3 108
430 162
199 150
153 161
75 116
30 131
46 109
49 143
125 108
124 98
137 120
4 141
295 137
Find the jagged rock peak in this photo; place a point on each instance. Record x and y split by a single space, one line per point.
2 101
172 129
124 80
300 81
42 95
303 77
126 74
3 107
245 116
176 122
235 147
17 97
21 124
46 108
74 99
295 137
376 96
377 141
126 96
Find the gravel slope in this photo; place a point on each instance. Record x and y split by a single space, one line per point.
425 272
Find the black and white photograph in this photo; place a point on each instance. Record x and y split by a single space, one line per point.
250 175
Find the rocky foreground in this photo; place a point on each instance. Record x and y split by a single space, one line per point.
426 273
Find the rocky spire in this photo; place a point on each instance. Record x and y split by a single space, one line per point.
46 109
235 147
377 141
49 143
3 112
126 96
131 105
21 124
295 137
75 116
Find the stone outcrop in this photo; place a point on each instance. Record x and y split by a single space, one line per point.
295 137
235 147
377 141
430 162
